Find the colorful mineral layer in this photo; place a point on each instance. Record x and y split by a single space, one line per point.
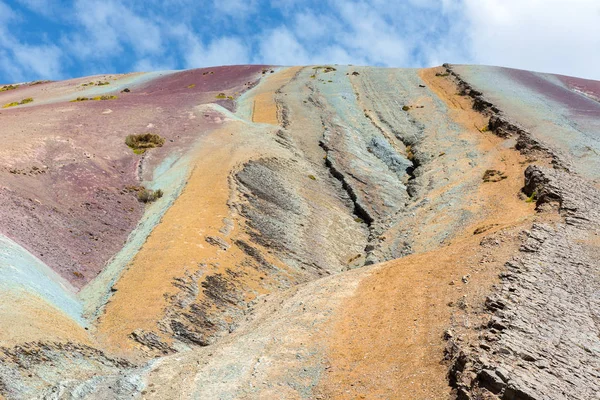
319 232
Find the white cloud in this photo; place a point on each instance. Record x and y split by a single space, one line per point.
281 47
108 26
221 51
110 35
21 61
544 35
147 64
6 13
235 8
41 61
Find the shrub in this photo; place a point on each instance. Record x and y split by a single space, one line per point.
94 98
493 175
15 103
221 96
105 97
8 87
148 195
139 143
410 155
193 85
99 83
532 198
405 108
325 68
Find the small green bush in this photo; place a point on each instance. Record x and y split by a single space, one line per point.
221 96
148 195
325 68
139 143
105 97
405 108
15 103
94 98
99 83
8 87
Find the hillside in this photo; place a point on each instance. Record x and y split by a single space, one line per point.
259 232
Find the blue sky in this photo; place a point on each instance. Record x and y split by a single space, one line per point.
59 39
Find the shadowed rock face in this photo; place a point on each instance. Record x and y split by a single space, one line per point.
320 228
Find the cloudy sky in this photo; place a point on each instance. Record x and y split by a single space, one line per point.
57 39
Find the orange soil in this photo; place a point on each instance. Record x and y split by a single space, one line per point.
36 321
265 109
388 341
177 244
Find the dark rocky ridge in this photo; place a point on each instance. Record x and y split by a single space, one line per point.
543 336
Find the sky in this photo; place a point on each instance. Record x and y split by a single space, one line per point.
60 39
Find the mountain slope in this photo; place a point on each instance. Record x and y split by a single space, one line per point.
324 232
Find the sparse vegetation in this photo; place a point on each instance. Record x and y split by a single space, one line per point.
493 175
18 103
99 83
148 195
410 155
484 228
221 96
312 177
140 143
442 74
325 68
405 108
532 198
105 97
191 86
8 87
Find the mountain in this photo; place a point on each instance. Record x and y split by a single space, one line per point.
259 232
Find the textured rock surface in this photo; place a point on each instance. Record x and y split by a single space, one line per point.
325 232
542 340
